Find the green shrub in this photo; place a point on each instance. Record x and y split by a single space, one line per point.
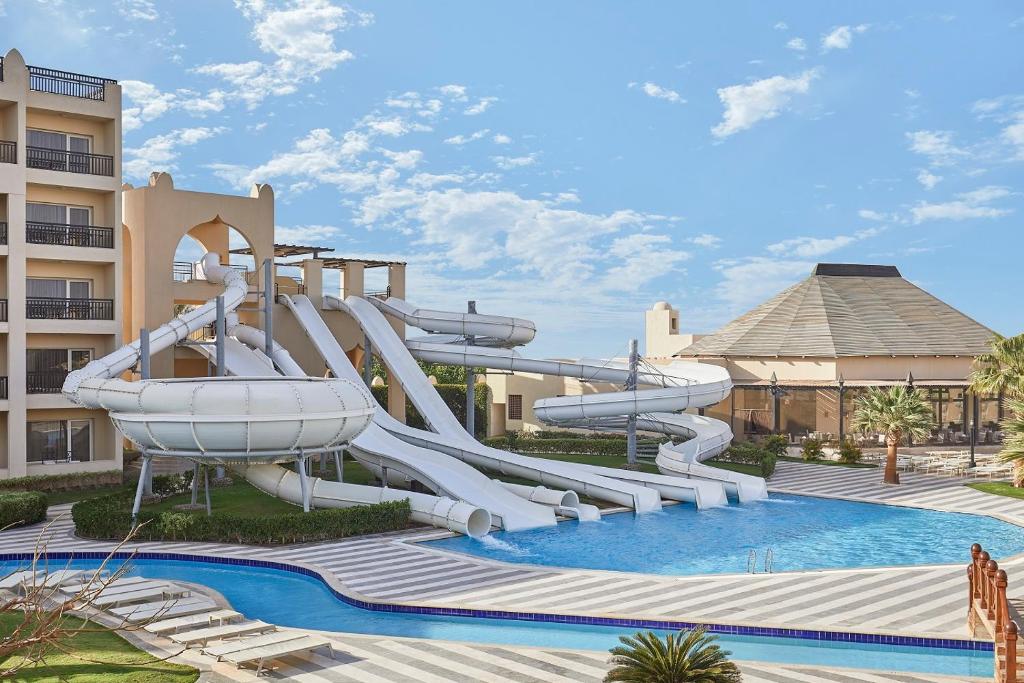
849 452
170 484
109 518
752 453
775 444
21 508
564 434
812 450
63 482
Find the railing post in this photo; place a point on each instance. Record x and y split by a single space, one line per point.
1010 642
1002 613
991 567
981 579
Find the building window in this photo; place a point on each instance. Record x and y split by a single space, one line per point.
515 406
62 214
52 288
53 441
65 142
46 369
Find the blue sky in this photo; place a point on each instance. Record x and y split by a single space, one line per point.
575 162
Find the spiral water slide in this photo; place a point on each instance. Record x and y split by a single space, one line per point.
247 423
667 390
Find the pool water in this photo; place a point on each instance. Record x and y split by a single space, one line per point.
291 599
800 532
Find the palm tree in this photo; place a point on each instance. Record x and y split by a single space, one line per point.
1001 371
684 657
895 412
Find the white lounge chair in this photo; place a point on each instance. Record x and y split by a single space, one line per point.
164 609
125 583
266 653
223 632
28 577
201 620
148 594
223 649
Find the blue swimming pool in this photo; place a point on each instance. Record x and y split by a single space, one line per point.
292 599
800 531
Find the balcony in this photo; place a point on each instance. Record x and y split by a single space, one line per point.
3 232
67 83
72 162
8 152
44 382
51 308
185 271
68 235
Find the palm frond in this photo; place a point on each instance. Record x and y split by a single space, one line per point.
683 657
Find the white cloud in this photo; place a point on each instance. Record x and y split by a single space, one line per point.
454 92
928 179
501 139
706 240
404 160
658 92
781 26
299 35
966 206
160 152
798 44
745 282
508 163
482 105
461 139
425 181
815 247
745 105
305 234
872 215
1014 136
937 145
145 102
642 257
841 37
140 10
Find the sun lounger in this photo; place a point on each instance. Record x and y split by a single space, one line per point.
201 620
164 609
45 579
144 595
224 649
204 635
124 583
266 653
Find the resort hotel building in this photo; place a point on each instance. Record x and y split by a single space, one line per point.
799 360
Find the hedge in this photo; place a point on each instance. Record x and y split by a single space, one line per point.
454 396
22 508
109 518
63 482
763 455
562 434
581 446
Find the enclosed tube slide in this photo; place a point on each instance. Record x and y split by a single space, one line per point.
677 386
449 437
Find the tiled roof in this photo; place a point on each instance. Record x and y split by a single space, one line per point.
848 310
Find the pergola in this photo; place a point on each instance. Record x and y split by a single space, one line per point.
287 250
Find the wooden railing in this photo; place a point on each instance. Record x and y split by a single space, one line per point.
988 609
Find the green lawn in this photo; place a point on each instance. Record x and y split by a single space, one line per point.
999 488
58 497
113 660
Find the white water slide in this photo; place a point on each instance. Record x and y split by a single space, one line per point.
248 422
669 389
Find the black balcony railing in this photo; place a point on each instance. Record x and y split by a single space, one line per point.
185 271
3 387
3 232
49 308
45 382
73 162
3 310
68 83
8 152
69 235
1 68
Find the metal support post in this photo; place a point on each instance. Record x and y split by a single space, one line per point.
367 360
631 421
144 371
300 468
974 427
470 382
339 462
268 305
220 331
195 483
146 465
206 488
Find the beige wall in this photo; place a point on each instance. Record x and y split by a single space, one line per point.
20 109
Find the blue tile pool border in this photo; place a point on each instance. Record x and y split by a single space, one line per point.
671 625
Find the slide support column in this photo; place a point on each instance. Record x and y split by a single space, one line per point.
145 373
147 464
631 422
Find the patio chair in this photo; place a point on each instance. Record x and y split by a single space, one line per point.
201 620
223 632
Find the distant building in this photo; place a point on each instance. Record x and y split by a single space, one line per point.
844 328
